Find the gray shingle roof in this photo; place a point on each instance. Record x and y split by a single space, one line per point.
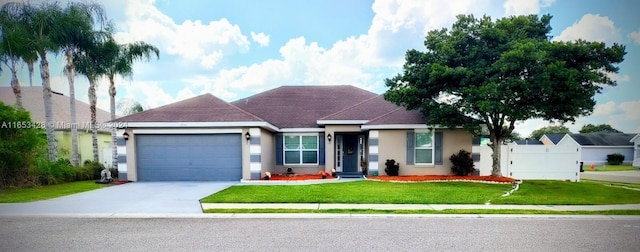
555 138
603 139
33 102
302 106
202 108
399 116
366 110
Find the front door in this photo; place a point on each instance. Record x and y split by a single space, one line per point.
350 153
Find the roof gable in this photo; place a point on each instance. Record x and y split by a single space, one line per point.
302 106
202 108
33 102
366 110
399 116
554 138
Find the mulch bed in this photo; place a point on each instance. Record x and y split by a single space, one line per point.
298 177
420 178
407 178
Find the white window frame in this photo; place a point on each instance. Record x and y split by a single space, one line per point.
416 147
301 149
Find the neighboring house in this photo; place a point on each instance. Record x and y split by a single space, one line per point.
636 153
551 139
597 145
306 128
528 142
33 102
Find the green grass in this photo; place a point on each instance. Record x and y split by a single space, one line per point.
446 211
532 192
606 168
17 195
361 192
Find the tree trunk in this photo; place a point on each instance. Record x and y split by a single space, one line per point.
496 144
15 85
71 73
48 107
94 124
112 103
30 66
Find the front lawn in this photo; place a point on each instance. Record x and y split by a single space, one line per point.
446 211
16 195
374 192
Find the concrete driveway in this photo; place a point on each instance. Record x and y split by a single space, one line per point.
130 198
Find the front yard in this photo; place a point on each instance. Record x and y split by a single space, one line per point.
16 195
606 168
375 192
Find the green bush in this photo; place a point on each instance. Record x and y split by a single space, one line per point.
392 168
49 173
462 163
94 167
21 145
615 159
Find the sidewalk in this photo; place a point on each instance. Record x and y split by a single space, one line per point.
316 206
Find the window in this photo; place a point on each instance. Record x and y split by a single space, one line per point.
300 149
424 147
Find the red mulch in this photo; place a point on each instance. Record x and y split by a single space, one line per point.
443 178
409 178
120 182
298 177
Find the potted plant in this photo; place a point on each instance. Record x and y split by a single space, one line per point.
365 169
333 173
323 174
267 176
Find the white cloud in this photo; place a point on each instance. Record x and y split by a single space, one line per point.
605 109
631 110
525 7
191 40
148 93
261 38
591 28
635 36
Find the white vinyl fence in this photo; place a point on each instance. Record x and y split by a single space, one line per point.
549 162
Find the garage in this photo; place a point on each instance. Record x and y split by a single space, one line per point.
189 157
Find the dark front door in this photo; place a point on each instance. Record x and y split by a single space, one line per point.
350 158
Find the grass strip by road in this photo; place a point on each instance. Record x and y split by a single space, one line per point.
615 184
18 195
534 192
606 168
446 211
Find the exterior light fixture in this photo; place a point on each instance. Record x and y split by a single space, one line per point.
247 136
329 137
125 136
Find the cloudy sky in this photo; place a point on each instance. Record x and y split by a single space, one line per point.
238 48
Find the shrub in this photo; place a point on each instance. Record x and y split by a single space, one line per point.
94 167
49 173
462 163
392 168
615 159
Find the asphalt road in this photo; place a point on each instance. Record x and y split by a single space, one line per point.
318 234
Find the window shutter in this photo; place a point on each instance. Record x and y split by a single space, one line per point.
321 148
279 153
438 148
410 147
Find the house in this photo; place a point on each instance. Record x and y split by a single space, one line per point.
33 102
597 145
551 139
305 128
636 150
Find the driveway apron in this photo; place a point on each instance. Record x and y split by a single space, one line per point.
130 198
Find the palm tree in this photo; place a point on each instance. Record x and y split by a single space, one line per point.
40 25
76 34
13 47
122 65
93 62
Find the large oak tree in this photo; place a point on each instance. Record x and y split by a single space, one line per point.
500 72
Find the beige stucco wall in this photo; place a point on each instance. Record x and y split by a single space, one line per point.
393 145
246 155
268 155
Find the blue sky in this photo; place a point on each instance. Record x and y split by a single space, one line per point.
235 49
